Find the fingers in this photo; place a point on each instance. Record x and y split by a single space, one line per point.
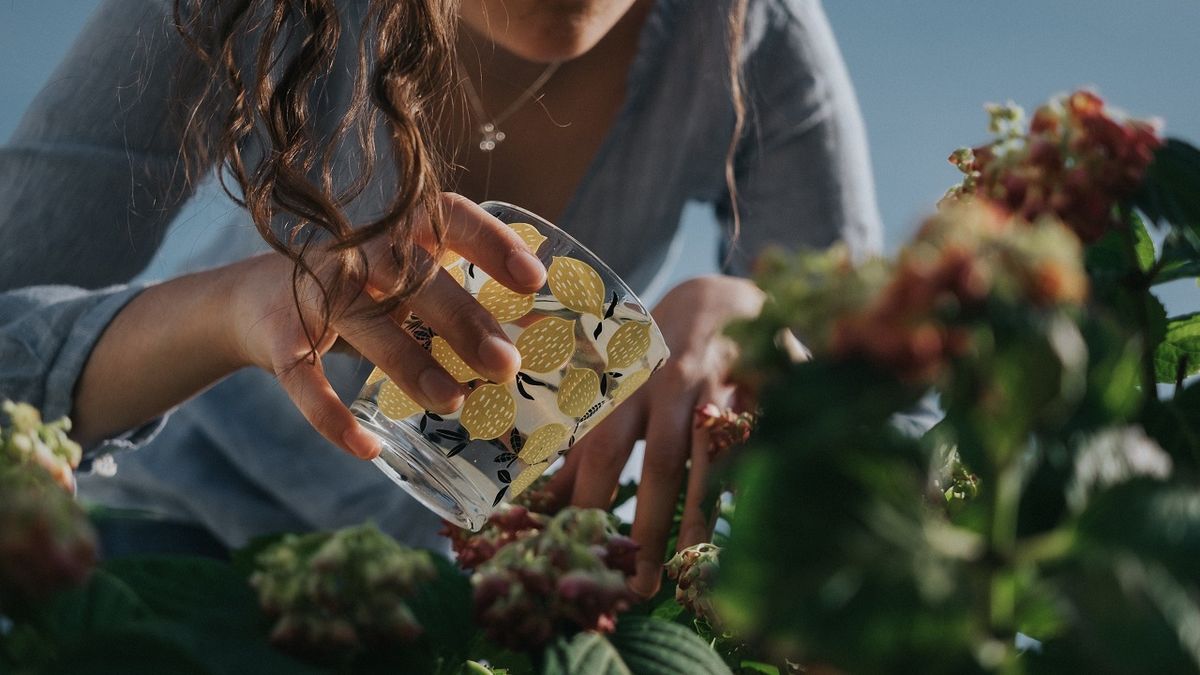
602 455
667 448
697 512
471 330
384 343
305 384
495 247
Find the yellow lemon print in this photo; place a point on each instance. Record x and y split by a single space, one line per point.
547 344
579 390
504 304
533 239
576 285
395 404
543 443
526 478
376 375
628 344
449 258
488 412
444 355
629 384
457 274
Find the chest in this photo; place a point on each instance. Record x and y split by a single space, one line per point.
550 141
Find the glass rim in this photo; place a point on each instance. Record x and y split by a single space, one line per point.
596 260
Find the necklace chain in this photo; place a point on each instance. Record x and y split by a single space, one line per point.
490 134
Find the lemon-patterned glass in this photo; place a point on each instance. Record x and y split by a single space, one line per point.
586 344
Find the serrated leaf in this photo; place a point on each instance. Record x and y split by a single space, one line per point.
584 654
1182 341
654 647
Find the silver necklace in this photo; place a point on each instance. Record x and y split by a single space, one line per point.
490 134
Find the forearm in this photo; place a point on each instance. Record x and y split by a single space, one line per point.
166 345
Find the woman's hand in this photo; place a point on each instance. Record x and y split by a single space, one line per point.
271 333
176 338
692 317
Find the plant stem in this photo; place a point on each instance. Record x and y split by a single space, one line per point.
1139 283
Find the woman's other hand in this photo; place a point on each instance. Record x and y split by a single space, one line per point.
692 318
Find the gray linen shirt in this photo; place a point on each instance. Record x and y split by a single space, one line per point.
89 184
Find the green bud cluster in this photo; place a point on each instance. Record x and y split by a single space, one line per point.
337 591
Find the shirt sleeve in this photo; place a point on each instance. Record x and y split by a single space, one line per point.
802 170
47 334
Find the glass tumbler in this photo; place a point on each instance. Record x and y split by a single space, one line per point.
586 344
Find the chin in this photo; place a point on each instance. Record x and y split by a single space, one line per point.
545 31
557 46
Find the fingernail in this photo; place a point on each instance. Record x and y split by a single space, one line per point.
440 388
526 269
361 443
648 577
499 354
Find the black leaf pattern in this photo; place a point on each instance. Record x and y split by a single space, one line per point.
612 306
521 390
499 496
616 374
504 458
604 384
516 440
504 476
528 379
451 434
457 449
424 421
599 329
435 417
471 270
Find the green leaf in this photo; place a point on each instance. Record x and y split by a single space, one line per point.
652 647
1182 341
1175 424
1149 520
1170 192
1180 257
105 602
640 646
198 592
1107 258
583 654
209 610
133 649
443 608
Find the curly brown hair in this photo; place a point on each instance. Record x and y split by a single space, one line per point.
265 62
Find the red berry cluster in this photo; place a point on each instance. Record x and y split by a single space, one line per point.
962 258
46 541
726 428
506 525
1075 162
569 575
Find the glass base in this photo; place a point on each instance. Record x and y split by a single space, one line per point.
421 468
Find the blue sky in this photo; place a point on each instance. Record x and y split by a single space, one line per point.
923 71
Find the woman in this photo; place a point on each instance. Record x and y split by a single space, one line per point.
634 120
